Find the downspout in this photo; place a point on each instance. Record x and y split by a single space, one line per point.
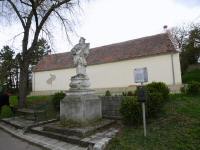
172 54
173 73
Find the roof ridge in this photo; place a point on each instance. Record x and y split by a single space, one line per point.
131 49
144 37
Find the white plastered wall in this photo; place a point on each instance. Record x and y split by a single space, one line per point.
116 74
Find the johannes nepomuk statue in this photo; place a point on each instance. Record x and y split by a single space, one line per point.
80 52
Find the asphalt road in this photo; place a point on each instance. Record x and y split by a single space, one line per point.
9 142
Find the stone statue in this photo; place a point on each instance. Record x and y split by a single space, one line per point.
80 52
80 104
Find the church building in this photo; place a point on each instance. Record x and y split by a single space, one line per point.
112 67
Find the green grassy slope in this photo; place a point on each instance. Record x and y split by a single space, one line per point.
193 75
177 128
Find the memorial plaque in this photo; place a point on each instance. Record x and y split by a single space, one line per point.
140 75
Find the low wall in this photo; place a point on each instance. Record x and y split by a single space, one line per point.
111 106
175 88
99 91
114 91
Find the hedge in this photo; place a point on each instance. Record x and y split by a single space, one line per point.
157 94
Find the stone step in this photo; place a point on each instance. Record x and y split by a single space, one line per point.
21 123
63 137
81 132
99 136
13 123
42 141
99 139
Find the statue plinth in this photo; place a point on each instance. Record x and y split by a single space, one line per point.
79 82
80 108
80 103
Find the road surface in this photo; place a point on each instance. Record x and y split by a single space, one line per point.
9 142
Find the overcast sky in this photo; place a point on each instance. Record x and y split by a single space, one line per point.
105 22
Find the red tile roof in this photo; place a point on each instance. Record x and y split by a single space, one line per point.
146 46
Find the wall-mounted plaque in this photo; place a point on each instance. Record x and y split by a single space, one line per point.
140 75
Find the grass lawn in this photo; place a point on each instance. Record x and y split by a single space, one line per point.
176 128
43 102
38 99
36 103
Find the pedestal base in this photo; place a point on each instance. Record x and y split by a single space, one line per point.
79 81
80 108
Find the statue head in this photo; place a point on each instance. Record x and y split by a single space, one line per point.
82 40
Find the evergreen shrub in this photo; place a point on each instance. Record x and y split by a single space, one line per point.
57 97
130 110
13 101
159 87
107 93
157 94
6 112
193 88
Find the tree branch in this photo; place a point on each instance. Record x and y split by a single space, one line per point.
25 3
64 22
26 33
47 14
34 7
53 7
17 12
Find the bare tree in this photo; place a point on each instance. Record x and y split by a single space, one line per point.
34 15
179 36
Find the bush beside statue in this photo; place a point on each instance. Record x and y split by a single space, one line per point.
157 93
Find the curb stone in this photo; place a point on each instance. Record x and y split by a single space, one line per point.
96 141
31 139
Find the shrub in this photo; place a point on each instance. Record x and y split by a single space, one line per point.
107 93
193 88
160 87
124 94
57 97
154 103
6 112
157 94
13 101
130 110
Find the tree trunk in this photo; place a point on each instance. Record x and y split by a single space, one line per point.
10 80
23 84
17 78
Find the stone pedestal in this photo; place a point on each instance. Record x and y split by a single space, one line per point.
80 107
79 82
80 103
